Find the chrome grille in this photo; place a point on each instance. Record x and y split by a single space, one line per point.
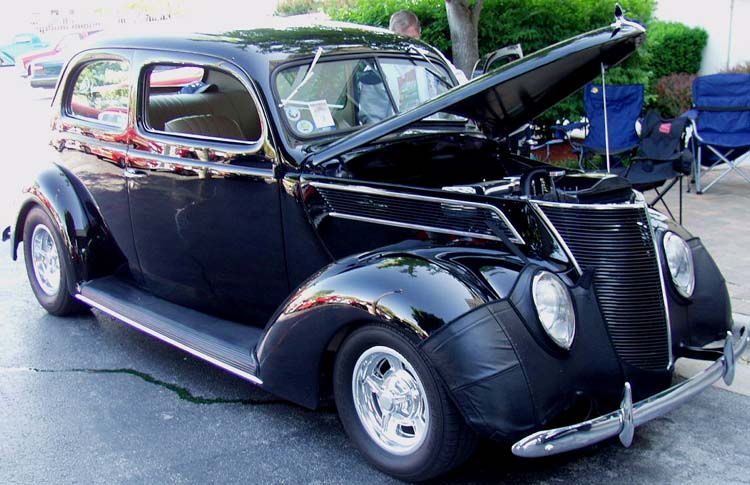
617 243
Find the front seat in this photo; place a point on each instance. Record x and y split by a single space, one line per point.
373 102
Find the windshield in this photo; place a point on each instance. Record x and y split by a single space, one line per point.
348 94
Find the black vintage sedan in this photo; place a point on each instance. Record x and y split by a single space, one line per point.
323 211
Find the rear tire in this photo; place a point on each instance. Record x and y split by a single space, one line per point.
48 265
394 407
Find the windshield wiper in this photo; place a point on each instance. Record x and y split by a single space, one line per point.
304 80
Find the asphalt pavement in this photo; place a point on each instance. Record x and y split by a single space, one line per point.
89 400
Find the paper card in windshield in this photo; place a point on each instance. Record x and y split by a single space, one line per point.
321 114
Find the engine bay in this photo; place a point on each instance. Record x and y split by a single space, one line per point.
467 164
554 185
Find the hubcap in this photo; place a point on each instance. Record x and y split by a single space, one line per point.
390 400
45 260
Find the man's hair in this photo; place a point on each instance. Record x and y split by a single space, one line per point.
402 20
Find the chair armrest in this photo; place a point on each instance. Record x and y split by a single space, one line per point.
691 114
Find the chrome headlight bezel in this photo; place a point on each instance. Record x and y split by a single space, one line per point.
554 308
679 259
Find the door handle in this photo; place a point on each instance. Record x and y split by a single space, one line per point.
131 173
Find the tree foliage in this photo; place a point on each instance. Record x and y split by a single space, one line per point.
533 23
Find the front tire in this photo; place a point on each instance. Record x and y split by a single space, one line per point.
395 409
48 266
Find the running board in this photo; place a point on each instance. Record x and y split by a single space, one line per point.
226 344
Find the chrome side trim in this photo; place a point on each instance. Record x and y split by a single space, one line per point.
573 437
164 338
663 288
93 141
197 164
539 212
387 193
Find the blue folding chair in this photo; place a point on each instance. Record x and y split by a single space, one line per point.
624 106
721 125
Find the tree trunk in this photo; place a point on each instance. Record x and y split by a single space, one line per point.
463 20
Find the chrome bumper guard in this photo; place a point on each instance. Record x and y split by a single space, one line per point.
622 422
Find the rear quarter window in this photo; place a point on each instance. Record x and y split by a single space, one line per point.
100 93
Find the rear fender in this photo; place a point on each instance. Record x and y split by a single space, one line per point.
55 193
416 293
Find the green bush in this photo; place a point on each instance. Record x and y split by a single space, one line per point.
672 47
674 94
297 7
539 23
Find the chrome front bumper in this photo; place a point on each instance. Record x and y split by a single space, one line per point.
622 422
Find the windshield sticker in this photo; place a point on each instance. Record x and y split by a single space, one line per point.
293 114
305 127
321 114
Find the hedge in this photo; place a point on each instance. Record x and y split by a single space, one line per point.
674 48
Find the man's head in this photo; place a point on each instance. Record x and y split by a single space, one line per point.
406 23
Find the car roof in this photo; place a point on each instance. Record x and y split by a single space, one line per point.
267 43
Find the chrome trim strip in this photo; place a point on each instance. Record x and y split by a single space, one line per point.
413 226
635 205
535 207
164 338
90 140
663 287
567 438
387 193
197 164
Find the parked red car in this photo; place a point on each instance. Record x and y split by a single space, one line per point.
66 43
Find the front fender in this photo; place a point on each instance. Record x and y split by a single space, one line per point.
707 315
416 292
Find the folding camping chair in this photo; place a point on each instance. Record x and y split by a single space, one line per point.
662 157
721 125
624 104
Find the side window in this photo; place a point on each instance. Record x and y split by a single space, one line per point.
199 102
101 93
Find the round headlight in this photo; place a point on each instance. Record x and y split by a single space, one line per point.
680 263
554 308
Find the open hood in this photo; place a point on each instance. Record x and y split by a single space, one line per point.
503 100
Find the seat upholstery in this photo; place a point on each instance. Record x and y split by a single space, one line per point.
205 125
236 106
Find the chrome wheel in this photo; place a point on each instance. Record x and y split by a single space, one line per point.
46 260
390 400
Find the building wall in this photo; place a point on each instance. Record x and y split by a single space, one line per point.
727 23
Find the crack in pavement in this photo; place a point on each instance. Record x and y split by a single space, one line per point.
183 393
